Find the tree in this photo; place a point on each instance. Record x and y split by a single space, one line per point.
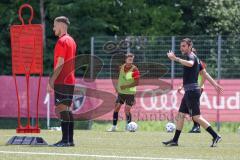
123 18
225 16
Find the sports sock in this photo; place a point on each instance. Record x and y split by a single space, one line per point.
212 132
71 127
176 135
128 118
115 118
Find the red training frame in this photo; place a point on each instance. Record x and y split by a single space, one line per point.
27 59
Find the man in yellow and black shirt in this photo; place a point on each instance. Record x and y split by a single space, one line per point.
126 88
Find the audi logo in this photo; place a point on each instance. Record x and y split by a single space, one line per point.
159 101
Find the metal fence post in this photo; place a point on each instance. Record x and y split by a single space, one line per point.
91 60
172 62
219 77
172 73
90 122
129 44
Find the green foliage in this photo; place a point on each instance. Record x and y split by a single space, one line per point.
225 16
121 17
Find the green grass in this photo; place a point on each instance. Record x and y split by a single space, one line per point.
160 126
141 144
11 123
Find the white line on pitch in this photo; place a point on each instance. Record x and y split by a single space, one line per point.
91 155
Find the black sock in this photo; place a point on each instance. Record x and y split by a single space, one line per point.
62 129
115 118
71 127
176 135
128 117
212 132
64 126
196 124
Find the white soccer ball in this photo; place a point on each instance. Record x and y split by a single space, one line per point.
132 127
170 127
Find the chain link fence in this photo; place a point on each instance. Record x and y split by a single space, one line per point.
220 53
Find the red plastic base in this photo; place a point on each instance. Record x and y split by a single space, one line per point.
28 130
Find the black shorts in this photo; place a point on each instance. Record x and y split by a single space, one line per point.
63 94
191 102
129 99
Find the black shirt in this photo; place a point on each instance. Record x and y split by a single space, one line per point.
190 74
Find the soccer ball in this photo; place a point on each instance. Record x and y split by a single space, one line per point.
132 127
170 127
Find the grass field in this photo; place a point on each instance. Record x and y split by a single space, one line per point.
99 144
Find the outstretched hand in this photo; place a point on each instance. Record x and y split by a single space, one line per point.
171 55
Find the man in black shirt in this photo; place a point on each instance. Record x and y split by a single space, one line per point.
191 101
